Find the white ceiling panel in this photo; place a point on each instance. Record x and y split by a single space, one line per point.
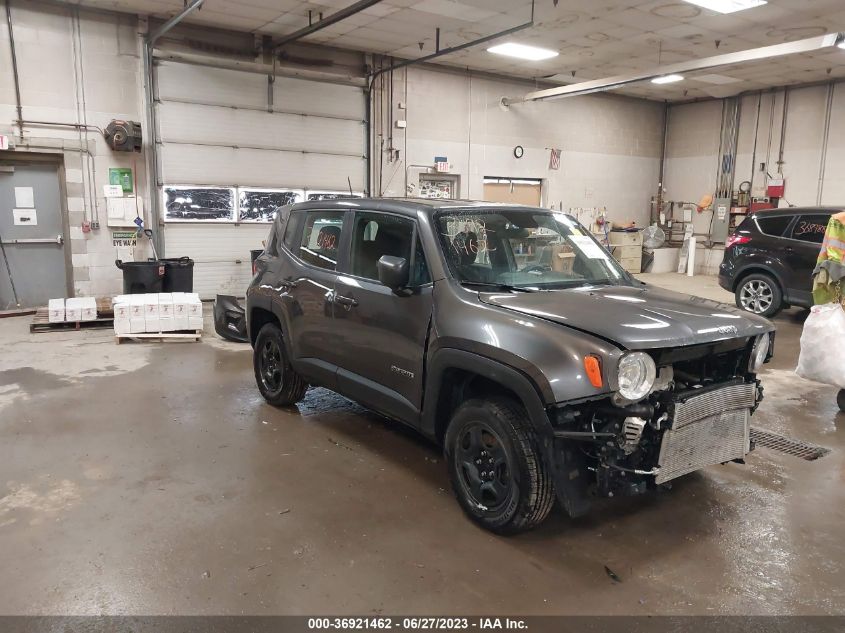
594 37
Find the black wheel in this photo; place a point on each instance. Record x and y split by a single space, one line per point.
496 467
840 400
760 294
277 382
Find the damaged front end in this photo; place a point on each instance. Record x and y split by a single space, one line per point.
696 415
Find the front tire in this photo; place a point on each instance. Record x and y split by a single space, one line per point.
280 385
840 400
496 466
760 294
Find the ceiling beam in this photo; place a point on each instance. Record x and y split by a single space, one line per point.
164 28
808 45
334 18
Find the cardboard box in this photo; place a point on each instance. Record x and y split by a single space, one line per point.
73 311
194 323
87 308
180 311
56 309
152 318
122 316
137 322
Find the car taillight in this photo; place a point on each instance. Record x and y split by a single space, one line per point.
735 239
254 266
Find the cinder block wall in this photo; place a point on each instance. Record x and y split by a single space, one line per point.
611 144
693 146
110 57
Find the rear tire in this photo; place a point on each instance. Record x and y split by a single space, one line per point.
840 400
759 293
280 385
496 466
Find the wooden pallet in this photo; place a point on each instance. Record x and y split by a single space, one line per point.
181 335
41 323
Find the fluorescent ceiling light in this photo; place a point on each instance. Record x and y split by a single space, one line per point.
667 79
728 6
522 51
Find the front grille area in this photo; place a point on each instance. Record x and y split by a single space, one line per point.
708 428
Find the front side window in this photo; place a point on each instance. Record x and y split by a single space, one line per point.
378 234
810 228
321 238
529 249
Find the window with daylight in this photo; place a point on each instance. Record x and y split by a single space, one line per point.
260 205
193 203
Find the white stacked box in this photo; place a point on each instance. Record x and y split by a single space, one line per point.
56 309
73 311
137 322
194 307
180 311
87 308
152 320
122 315
165 312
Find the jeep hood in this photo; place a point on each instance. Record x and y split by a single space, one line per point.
636 317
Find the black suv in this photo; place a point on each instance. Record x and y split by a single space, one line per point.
511 337
769 259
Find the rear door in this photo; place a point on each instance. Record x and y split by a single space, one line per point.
380 358
32 232
801 251
306 282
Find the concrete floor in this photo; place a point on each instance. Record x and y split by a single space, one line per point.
153 479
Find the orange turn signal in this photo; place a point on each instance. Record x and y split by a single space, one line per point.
593 366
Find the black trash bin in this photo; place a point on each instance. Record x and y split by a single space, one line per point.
141 277
178 274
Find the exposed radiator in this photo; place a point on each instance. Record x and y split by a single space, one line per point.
707 429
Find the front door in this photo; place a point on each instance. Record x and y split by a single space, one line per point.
801 251
32 234
380 362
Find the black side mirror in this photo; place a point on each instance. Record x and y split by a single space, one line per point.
393 272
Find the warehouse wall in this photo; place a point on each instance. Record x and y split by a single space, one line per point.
110 57
693 146
611 145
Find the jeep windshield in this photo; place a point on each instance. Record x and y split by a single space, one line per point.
526 249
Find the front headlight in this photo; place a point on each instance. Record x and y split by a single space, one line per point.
759 353
636 374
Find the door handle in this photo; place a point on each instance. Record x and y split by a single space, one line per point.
346 302
37 240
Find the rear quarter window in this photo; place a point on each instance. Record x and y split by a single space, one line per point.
774 226
291 237
810 228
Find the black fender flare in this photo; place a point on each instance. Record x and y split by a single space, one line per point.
450 358
562 460
260 299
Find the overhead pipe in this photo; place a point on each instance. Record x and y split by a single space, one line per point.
152 155
823 159
808 45
15 68
334 18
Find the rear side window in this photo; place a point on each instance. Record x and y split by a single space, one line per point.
774 226
321 238
290 236
810 228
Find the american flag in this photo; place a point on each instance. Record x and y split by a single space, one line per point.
554 158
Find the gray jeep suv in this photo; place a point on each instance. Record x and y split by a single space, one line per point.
510 336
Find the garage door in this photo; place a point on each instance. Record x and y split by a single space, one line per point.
233 146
